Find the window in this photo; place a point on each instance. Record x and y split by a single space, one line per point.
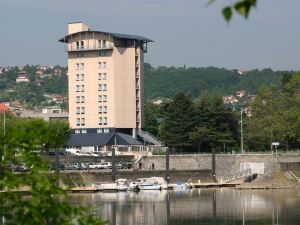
99 109
77 77
99 130
77 131
104 65
82 77
104 120
82 121
78 121
79 66
99 65
77 99
82 44
99 76
77 88
84 131
99 43
99 98
79 55
77 110
82 110
104 76
104 98
102 53
82 99
99 87
82 88
106 130
104 109
100 120
77 44
104 87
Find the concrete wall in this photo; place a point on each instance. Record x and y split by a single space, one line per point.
226 165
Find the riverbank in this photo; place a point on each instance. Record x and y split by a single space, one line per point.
276 180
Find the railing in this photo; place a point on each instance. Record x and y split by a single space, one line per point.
70 48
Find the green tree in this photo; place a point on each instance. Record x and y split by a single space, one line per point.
215 125
178 122
47 203
151 113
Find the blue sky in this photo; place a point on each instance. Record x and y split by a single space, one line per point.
185 31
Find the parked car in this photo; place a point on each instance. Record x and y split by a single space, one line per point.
21 168
106 165
70 166
93 166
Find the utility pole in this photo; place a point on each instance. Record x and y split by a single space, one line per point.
242 135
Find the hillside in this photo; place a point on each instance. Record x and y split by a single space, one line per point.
167 81
47 85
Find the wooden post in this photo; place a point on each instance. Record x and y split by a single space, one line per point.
167 176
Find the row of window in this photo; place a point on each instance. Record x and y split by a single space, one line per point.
80 66
104 130
80 55
84 131
80 121
101 44
101 98
101 76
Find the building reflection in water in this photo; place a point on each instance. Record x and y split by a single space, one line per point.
212 206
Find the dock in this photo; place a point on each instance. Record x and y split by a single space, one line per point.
215 185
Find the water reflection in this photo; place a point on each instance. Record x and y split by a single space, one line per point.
219 206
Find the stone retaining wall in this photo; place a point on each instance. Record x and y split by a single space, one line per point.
226 165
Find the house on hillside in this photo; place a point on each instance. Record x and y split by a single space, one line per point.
57 72
230 99
4 107
58 99
240 94
22 77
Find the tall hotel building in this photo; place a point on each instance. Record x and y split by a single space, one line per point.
105 81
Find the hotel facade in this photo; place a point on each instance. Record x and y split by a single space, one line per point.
105 81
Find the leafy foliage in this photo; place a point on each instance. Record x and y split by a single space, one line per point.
47 202
275 116
194 126
166 82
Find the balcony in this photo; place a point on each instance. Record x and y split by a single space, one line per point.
70 48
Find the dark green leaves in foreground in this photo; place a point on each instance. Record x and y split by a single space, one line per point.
47 202
241 7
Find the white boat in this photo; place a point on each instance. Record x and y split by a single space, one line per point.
181 186
162 182
122 185
119 185
98 186
146 184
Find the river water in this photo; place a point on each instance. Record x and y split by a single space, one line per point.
198 206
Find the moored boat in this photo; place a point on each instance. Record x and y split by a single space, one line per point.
146 184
